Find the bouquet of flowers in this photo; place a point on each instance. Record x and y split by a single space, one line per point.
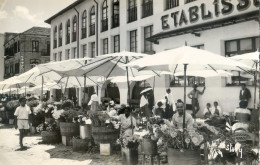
70 116
130 142
32 103
12 105
56 114
48 126
67 104
99 118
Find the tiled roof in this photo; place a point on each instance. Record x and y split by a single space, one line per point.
9 36
37 31
63 10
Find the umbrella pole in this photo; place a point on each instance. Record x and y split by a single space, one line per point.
42 88
128 92
25 90
184 110
84 87
255 80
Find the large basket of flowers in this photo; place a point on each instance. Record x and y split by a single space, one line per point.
102 131
70 127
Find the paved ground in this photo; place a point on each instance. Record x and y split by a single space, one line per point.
41 154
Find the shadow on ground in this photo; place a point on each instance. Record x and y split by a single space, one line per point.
65 152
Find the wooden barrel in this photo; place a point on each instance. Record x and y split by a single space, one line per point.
50 137
188 157
85 131
243 117
129 156
149 147
80 144
104 134
69 129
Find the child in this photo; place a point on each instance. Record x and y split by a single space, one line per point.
207 111
159 110
217 109
22 120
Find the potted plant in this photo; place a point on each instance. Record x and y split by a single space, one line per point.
10 109
103 130
85 126
37 115
70 126
129 149
183 146
50 132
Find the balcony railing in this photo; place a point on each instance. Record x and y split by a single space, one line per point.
104 24
171 4
132 14
92 30
147 9
115 20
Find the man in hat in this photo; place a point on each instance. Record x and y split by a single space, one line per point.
194 95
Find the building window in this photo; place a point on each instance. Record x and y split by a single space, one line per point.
171 4
60 56
148 46
241 46
75 55
115 14
48 48
199 46
18 46
67 54
84 50
35 46
84 25
133 41
116 43
236 47
92 49
17 68
104 20
34 62
68 32
15 47
60 35
92 21
191 80
147 8
54 56
132 11
74 33
105 46
55 37
188 1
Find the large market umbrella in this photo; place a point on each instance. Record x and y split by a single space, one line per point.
205 73
49 72
196 59
250 59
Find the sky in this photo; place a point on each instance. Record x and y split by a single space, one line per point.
20 15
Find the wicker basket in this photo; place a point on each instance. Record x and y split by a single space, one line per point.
104 134
69 129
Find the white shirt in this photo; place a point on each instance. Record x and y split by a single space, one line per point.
22 112
94 97
143 101
171 100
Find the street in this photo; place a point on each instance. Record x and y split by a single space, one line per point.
42 154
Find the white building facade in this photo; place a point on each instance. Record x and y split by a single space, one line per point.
2 57
89 28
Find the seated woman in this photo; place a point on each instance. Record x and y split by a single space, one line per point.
207 111
242 113
159 111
